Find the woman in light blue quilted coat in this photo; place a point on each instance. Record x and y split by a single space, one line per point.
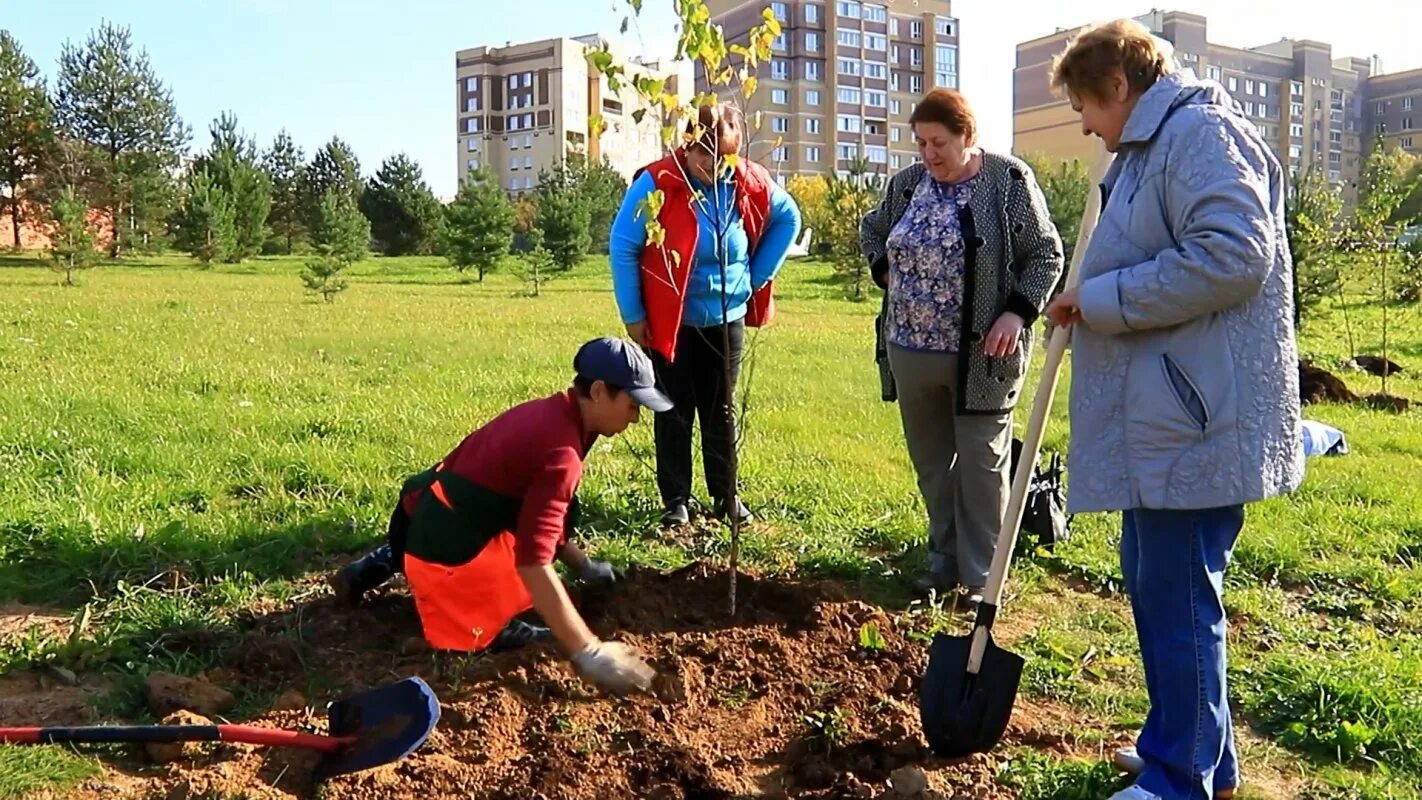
1184 391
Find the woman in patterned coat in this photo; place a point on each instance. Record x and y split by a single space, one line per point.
967 255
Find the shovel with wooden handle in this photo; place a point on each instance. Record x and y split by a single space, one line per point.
369 729
971 684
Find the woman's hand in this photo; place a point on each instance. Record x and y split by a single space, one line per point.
637 331
1065 308
1002 339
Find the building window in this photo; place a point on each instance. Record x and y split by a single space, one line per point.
781 11
893 54
1406 141
893 107
780 70
527 79
847 38
915 30
473 163
1406 104
846 152
513 81
780 96
1406 124
1213 73
894 161
847 8
945 62
1263 89
875 70
893 26
1382 106
471 105
528 120
1296 89
471 125
849 124
1249 108
812 97
528 162
894 81
850 66
780 125
876 41
812 13
471 84
893 134
812 70
943 27
812 155
1319 82
812 125
1295 151
875 98
877 154
780 43
915 84
528 141
513 123
812 42
915 56
1233 84
780 154
1249 87
1296 109
473 145
847 94
876 13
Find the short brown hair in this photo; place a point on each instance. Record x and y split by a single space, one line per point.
714 123
1086 65
949 108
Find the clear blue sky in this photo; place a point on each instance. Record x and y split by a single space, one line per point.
381 74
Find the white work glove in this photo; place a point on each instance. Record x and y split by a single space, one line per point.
600 572
613 667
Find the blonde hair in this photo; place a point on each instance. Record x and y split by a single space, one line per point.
1086 65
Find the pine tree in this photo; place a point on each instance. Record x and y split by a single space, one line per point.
334 168
285 166
340 237
479 225
405 218
71 240
109 98
26 131
206 226
564 218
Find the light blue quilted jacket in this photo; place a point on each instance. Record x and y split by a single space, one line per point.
1184 391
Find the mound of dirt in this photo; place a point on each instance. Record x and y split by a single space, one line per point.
1318 385
779 701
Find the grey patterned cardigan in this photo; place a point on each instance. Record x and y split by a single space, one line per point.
1015 260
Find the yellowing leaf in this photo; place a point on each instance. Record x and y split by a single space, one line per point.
748 86
596 125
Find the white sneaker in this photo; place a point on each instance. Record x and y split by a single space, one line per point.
1128 760
1134 793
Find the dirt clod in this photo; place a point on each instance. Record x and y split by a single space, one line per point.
168 693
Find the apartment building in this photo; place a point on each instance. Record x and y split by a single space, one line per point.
843 79
1313 108
522 107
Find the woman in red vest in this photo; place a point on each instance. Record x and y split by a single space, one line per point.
725 227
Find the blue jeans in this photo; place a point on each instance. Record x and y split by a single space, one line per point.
1173 563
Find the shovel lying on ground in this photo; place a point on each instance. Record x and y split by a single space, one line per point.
369 729
971 683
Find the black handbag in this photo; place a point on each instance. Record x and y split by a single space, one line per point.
1044 511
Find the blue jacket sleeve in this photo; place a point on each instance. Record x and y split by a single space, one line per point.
624 250
780 232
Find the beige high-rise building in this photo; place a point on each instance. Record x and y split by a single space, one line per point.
843 79
1314 109
522 107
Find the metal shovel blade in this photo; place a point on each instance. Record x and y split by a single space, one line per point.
965 713
388 723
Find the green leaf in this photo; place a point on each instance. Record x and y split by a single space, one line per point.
638 115
601 60
870 638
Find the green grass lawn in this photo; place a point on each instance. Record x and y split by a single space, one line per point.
178 445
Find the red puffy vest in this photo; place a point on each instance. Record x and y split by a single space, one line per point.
667 267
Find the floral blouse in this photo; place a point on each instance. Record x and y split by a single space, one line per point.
926 263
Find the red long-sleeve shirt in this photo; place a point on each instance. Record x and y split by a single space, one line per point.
533 451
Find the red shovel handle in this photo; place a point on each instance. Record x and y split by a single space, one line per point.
244 734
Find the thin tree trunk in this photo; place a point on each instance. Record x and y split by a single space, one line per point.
1386 301
15 218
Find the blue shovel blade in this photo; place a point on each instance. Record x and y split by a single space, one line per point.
388 723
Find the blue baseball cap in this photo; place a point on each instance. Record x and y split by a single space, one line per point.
620 363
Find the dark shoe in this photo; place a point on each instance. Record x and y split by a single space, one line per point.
675 515
519 634
935 581
362 575
738 512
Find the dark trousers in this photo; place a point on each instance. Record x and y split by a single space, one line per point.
696 383
396 536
